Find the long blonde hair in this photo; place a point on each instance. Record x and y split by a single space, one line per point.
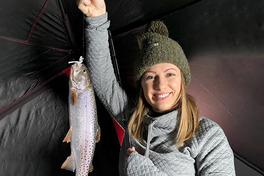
188 116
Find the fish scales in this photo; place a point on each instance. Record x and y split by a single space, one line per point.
84 129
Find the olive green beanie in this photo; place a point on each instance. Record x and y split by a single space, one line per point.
156 47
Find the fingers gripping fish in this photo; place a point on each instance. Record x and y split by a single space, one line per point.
84 130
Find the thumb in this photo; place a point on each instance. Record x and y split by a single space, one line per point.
83 8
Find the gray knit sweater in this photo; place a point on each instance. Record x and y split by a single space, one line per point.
206 153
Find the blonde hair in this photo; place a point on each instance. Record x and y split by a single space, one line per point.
188 117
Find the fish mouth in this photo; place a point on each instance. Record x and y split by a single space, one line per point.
74 70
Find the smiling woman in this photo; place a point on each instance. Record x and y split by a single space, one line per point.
161 85
162 72
165 132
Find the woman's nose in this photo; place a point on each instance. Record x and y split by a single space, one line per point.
159 82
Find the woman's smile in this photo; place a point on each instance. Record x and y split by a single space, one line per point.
162 96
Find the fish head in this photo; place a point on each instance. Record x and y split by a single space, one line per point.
79 76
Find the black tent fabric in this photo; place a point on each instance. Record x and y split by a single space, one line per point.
224 43
37 42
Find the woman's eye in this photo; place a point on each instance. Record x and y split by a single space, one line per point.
170 74
149 77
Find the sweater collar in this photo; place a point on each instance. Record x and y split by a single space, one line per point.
158 125
165 120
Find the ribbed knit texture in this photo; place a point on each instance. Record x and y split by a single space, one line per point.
100 66
157 47
206 153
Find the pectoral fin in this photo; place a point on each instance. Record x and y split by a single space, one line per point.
98 134
69 164
68 136
74 96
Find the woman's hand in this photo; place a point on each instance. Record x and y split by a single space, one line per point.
92 8
129 151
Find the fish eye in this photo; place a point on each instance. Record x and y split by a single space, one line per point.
84 71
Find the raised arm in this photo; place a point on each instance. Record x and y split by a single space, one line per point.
98 58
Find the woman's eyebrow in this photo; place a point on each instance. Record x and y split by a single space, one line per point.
150 71
168 69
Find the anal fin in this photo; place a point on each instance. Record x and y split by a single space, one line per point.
69 164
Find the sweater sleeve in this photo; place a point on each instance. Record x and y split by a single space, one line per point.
140 165
100 66
215 156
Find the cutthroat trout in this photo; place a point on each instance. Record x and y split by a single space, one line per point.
84 130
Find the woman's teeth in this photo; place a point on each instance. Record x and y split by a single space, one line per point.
162 95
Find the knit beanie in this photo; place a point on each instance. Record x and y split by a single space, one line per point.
156 47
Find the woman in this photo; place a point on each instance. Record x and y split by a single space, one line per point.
167 136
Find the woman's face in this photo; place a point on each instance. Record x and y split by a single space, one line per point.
161 85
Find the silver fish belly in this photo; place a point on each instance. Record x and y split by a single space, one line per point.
84 129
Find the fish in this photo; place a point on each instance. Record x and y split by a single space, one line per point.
84 130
